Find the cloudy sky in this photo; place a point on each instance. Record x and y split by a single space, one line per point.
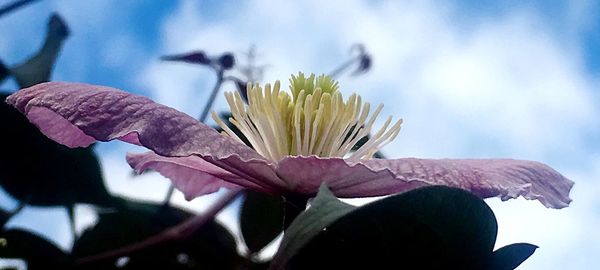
470 79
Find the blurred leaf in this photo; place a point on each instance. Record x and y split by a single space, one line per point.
4 217
195 57
225 116
210 247
38 67
41 172
226 61
242 87
511 256
364 65
4 71
35 250
261 219
428 228
361 142
325 209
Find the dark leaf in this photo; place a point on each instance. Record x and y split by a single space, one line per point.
225 116
196 57
361 142
57 26
4 72
227 61
364 65
209 247
36 170
261 219
324 210
427 228
511 256
35 250
242 88
38 67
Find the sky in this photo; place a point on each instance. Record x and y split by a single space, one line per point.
471 79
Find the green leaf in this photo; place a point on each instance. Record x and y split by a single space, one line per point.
210 247
261 219
35 250
511 256
38 171
324 210
428 228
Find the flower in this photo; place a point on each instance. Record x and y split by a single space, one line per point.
301 141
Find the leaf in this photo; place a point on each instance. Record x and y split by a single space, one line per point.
364 65
209 247
226 61
38 68
35 250
324 210
242 87
225 116
511 256
4 72
261 219
195 57
38 171
428 228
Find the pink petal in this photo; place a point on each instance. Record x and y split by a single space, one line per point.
504 178
305 174
192 175
77 114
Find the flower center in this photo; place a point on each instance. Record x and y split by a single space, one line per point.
314 120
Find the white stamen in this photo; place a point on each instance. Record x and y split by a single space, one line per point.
314 120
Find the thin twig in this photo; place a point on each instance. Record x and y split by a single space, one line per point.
14 5
176 232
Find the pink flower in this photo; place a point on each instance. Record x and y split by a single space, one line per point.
294 155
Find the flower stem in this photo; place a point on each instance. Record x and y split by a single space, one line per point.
203 116
294 205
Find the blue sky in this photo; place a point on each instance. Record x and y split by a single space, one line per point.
470 79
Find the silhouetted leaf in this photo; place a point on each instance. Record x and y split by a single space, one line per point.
210 247
511 256
226 61
195 57
225 116
325 209
35 250
41 172
38 67
4 72
364 65
427 228
361 142
242 87
261 219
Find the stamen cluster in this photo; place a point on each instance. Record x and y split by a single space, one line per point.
314 120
